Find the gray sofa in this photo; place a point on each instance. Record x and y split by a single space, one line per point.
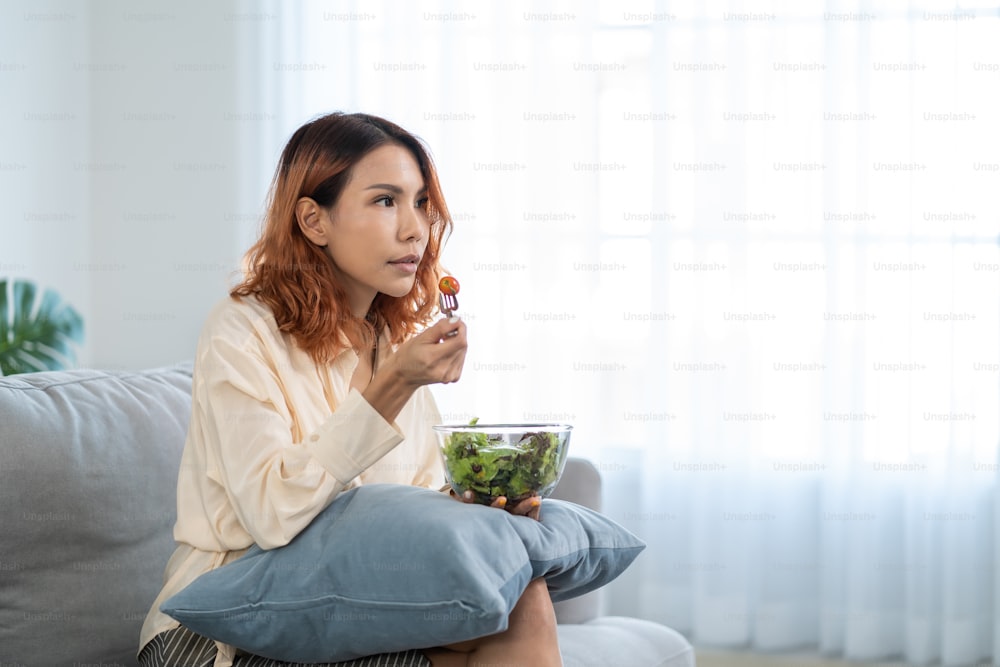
88 463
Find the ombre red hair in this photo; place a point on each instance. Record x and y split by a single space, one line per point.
296 278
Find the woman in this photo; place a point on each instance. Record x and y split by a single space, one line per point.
312 378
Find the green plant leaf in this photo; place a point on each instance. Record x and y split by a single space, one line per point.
38 330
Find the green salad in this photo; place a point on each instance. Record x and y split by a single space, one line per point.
491 468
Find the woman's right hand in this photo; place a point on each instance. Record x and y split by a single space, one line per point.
435 355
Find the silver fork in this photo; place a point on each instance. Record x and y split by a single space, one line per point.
448 303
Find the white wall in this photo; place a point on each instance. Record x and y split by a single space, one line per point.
126 136
45 147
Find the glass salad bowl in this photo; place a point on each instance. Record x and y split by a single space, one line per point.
512 460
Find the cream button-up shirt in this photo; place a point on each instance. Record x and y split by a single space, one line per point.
273 438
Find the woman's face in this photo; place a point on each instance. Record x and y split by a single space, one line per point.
377 230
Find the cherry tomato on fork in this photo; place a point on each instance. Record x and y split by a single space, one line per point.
449 285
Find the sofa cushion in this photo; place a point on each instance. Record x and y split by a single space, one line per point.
615 641
88 473
388 568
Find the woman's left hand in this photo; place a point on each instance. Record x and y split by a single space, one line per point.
529 507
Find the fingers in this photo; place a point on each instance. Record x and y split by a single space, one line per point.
470 497
454 371
450 350
445 330
432 356
530 507
452 332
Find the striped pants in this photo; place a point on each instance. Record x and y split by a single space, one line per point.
182 648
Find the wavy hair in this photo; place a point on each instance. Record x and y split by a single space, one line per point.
297 280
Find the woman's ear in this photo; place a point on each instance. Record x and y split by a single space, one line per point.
310 217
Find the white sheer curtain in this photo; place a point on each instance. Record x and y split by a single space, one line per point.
751 254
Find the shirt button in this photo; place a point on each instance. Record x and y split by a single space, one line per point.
314 437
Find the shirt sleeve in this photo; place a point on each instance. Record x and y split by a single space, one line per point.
431 472
276 486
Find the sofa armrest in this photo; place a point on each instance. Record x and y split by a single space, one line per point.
580 484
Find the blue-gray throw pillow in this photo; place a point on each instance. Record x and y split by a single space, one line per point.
390 567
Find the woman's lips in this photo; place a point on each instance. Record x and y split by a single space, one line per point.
406 266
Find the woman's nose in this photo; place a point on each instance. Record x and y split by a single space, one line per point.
411 226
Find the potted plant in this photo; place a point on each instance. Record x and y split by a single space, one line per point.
38 330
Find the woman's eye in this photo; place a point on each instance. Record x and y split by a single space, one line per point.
384 200
422 203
